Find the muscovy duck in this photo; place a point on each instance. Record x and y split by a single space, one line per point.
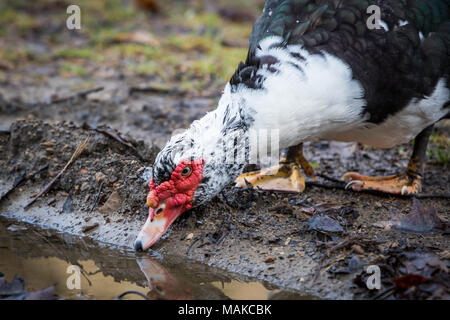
314 69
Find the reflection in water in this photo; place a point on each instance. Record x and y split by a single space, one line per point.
42 272
238 290
161 284
43 256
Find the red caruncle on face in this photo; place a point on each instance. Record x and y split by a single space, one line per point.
181 186
170 199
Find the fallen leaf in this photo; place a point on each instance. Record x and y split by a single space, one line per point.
322 222
112 204
419 220
139 36
89 227
269 259
408 280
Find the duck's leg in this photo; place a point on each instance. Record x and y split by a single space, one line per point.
409 182
284 177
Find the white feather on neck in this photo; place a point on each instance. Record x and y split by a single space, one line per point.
207 133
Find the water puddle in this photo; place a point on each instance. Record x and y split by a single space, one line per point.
44 258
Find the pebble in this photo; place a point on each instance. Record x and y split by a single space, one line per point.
357 249
89 227
270 259
85 186
99 177
189 236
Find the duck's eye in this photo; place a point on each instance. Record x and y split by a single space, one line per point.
159 211
186 171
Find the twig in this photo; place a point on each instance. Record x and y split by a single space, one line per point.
384 294
97 197
224 201
324 176
77 94
119 139
431 196
154 89
222 237
83 272
21 180
378 193
75 155
324 262
324 185
119 297
194 241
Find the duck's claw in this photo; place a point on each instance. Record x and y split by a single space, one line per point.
404 184
284 177
355 185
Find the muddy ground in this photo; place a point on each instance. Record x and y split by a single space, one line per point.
47 110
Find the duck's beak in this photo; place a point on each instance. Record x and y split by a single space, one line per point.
159 219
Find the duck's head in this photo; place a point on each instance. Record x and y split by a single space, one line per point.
185 175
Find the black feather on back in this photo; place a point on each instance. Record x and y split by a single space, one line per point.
393 66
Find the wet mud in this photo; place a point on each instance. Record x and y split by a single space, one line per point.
317 243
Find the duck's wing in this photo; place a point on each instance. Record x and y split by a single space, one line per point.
404 59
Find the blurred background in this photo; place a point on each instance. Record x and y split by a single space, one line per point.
154 65
178 54
194 44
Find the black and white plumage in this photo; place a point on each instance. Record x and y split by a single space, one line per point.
326 49
315 70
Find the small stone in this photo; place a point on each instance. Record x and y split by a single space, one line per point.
85 186
357 249
15 227
89 227
288 240
83 171
50 143
354 264
189 236
324 223
270 259
99 177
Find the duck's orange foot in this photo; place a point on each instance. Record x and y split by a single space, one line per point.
405 184
284 177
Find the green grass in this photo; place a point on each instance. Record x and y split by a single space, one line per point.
71 69
189 48
439 148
